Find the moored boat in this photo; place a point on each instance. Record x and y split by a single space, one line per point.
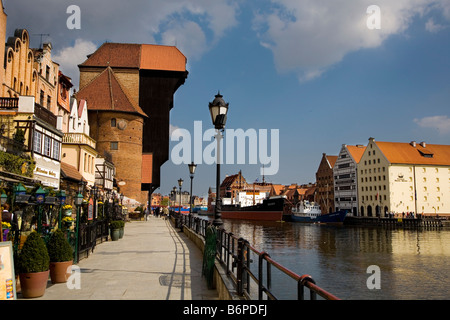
270 209
309 212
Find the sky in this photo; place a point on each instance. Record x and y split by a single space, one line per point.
312 74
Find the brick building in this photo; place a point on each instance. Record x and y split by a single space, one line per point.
325 184
129 89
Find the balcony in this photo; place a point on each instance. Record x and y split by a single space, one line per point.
9 103
78 138
45 115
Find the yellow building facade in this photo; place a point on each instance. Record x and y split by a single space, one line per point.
404 178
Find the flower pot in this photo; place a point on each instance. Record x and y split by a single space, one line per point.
121 231
60 271
33 285
115 233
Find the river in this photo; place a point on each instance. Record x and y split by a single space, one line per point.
413 264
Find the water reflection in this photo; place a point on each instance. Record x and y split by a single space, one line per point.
413 263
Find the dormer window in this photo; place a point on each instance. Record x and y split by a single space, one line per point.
426 153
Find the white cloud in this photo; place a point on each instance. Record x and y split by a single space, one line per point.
432 27
70 57
309 36
441 123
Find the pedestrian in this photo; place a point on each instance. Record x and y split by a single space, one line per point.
166 213
6 215
147 213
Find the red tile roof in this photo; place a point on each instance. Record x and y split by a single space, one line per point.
69 171
141 56
104 92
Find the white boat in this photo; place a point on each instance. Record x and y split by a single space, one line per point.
306 211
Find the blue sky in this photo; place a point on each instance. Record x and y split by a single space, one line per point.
311 69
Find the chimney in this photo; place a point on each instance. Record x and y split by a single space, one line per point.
423 144
413 143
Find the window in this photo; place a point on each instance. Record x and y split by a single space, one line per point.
114 146
37 143
47 146
41 98
49 102
113 122
56 149
47 73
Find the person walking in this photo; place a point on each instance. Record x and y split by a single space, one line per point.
146 213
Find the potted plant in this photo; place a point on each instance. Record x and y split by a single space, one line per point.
61 257
33 266
67 210
67 222
122 228
115 230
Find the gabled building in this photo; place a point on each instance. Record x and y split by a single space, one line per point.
345 178
325 184
396 177
78 148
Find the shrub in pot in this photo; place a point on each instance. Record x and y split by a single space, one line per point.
33 266
121 229
115 230
61 257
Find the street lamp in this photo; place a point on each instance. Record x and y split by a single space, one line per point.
62 199
192 167
40 198
78 201
180 183
218 110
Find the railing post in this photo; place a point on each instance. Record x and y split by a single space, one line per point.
240 268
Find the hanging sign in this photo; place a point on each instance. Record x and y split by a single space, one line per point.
7 277
91 209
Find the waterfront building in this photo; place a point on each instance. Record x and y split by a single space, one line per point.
18 71
63 103
232 185
47 79
396 177
325 183
78 148
35 133
345 178
129 89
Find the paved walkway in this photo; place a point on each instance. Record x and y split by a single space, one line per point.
152 261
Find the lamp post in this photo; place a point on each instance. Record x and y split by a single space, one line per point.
192 167
180 183
40 198
62 199
218 110
78 201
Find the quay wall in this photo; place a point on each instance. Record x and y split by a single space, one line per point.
397 222
222 283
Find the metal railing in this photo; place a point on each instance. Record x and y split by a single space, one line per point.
235 255
89 235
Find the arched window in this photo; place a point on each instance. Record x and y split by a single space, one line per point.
113 122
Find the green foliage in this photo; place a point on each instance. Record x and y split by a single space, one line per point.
116 224
59 249
21 165
34 255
